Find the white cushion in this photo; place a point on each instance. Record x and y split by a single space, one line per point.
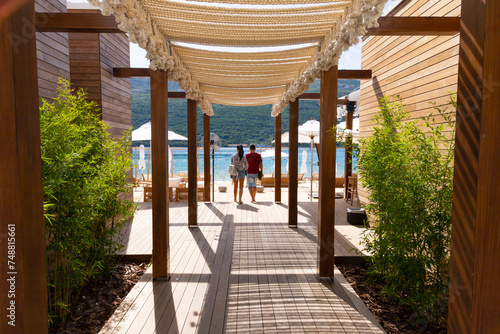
174 182
201 184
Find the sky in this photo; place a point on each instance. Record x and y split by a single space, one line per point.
350 59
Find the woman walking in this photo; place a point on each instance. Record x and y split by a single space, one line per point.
240 162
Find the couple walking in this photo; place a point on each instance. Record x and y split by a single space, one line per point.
251 164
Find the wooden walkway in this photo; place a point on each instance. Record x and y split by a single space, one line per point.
137 236
243 270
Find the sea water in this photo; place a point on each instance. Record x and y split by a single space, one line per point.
223 157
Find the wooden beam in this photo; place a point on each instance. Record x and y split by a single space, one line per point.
131 72
192 165
415 26
176 95
475 238
76 22
22 233
159 149
355 74
348 153
277 161
293 162
206 157
327 153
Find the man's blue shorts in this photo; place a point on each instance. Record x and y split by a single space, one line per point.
252 180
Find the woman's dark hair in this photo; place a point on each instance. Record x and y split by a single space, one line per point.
240 151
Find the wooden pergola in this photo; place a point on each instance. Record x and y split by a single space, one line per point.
474 289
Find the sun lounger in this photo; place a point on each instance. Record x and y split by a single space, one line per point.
173 183
284 180
183 190
267 180
301 177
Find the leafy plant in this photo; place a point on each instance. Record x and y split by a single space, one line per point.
407 167
85 174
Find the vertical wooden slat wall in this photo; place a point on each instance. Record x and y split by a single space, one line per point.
327 160
475 246
84 61
23 301
92 58
116 94
421 69
159 152
277 160
52 52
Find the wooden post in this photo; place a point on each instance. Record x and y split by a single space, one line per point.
327 152
192 168
475 238
159 153
293 162
348 152
277 162
23 270
206 157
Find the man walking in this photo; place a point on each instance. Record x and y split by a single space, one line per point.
254 162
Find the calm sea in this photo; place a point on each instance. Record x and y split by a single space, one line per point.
223 157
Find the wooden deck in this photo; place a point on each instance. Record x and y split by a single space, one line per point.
137 236
243 270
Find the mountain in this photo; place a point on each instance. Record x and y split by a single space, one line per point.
234 125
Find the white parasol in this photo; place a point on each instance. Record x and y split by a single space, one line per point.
303 166
144 133
271 154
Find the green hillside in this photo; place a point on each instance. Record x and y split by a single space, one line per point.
235 125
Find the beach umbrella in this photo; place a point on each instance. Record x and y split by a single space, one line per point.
311 130
271 154
144 133
355 127
303 166
302 138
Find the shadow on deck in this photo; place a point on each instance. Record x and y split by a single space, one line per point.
242 270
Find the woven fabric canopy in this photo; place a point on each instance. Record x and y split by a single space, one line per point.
244 52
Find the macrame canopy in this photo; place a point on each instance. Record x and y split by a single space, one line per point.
244 52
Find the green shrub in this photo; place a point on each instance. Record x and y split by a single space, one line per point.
407 167
85 173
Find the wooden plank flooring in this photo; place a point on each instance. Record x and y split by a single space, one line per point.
242 271
137 235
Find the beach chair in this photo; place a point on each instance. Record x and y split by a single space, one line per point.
183 189
284 180
173 183
315 177
146 180
340 181
267 180
301 177
352 188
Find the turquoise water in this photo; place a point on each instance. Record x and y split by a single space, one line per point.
223 157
